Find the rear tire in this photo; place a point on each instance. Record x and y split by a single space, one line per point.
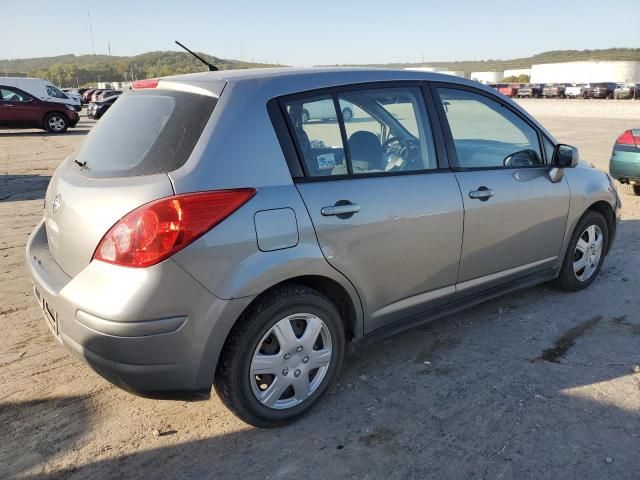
259 342
585 253
56 123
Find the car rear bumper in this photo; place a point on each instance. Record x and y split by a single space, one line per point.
156 332
625 165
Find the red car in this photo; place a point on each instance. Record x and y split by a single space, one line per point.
18 109
510 90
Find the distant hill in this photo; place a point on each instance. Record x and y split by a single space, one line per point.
553 56
71 70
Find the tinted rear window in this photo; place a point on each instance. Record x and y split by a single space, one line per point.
144 133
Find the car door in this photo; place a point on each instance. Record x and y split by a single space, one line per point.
18 109
385 213
515 215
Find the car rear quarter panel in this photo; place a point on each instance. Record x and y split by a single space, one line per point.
239 148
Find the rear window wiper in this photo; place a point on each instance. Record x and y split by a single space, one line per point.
81 164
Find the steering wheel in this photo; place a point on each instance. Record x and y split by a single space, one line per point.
388 142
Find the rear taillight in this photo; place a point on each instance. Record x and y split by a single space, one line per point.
155 231
148 83
628 138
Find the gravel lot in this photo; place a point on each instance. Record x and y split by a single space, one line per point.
464 397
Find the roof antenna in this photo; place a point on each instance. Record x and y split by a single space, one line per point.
212 68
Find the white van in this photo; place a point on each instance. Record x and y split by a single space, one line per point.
42 89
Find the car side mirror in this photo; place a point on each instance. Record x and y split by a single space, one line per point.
565 156
523 158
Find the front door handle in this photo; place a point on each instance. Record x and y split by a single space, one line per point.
346 209
482 193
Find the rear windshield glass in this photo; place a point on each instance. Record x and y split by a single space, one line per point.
144 133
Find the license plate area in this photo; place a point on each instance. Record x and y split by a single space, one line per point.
51 316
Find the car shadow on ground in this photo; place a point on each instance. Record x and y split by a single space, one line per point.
23 187
42 133
64 419
508 389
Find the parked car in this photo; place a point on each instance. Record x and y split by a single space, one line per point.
321 111
95 110
86 96
42 90
510 90
577 90
530 90
19 109
95 94
626 91
75 96
205 234
624 165
554 90
602 90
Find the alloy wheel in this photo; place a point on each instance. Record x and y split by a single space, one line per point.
56 123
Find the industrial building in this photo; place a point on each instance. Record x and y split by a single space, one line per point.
516 72
567 72
586 72
487 77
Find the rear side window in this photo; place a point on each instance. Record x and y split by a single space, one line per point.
145 133
373 131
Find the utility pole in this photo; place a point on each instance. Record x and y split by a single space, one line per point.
93 49
109 47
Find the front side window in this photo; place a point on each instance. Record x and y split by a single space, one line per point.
55 93
386 131
11 95
486 134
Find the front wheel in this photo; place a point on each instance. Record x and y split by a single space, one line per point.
281 357
585 253
56 123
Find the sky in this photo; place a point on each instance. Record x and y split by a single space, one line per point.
308 32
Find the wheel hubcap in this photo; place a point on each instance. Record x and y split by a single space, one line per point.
56 123
586 257
290 361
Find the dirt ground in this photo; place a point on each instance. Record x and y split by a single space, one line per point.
466 397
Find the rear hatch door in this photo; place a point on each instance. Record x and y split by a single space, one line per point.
122 165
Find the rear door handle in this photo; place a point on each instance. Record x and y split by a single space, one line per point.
483 193
348 209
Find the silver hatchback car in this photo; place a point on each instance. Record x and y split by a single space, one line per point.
207 233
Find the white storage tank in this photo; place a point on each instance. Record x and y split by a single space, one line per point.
586 72
487 77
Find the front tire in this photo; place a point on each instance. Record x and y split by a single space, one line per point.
56 123
585 253
281 357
